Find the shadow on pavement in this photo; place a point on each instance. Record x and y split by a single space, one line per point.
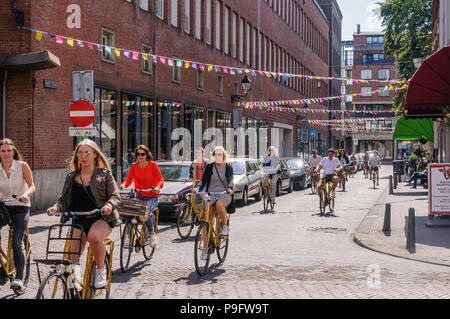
411 193
133 271
423 233
195 279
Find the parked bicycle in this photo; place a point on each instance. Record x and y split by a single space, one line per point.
61 282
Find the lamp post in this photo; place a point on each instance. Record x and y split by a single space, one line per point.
246 85
417 59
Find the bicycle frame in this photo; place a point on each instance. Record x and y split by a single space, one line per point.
268 186
6 259
207 219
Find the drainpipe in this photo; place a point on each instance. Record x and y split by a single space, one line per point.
4 105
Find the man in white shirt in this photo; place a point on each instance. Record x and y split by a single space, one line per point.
374 163
314 161
331 166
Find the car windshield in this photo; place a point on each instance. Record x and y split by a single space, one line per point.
175 173
238 168
295 163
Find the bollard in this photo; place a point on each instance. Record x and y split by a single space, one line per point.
391 190
411 235
387 218
395 180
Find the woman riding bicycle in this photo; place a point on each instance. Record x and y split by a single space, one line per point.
16 179
272 161
146 174
90 185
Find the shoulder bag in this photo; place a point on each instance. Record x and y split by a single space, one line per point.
231 208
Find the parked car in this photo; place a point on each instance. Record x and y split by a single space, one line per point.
172 195
284 182
299 168
247 179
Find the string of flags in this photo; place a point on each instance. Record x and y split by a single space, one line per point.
170 61
359 120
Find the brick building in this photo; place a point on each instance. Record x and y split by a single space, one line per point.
139 102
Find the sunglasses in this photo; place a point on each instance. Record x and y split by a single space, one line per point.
141 154
84 154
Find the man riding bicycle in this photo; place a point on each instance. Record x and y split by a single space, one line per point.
374 163
331 167
314 161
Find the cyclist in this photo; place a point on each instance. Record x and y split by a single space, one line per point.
145 174
314 161
366 162
273 161
345 161
374 163
197 167
16 179
218 177
353 163
331 166
90 185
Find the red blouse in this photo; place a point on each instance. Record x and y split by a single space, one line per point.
144 178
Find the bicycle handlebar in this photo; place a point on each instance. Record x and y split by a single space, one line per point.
74 214
12 198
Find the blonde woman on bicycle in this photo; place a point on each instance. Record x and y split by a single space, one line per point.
90 185
16 179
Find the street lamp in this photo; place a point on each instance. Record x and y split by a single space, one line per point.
246 85
417 59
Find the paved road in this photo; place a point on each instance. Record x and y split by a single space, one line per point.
290 253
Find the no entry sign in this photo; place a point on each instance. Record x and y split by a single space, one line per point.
82 113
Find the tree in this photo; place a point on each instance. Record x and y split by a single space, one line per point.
407 27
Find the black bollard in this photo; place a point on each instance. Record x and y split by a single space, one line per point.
395 180
411 235
387 219
391 189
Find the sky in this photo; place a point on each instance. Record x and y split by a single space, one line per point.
358 12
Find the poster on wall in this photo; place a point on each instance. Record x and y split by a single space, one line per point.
439 189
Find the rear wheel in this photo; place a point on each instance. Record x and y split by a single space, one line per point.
202 247
185 221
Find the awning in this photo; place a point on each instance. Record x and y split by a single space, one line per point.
428 94
413 129
29 61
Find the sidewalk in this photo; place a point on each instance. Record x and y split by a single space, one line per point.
432 244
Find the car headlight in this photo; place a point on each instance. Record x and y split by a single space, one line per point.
173 199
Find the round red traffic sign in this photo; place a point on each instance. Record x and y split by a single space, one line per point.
82 113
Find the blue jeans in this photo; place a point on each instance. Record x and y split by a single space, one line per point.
415 176
19 216
152 203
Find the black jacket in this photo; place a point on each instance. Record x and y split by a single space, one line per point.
206 178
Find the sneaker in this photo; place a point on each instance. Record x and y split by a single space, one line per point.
153 240
225 231
204 255
17 284
100 278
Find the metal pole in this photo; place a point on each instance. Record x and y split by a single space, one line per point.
387 218
5 77
411 235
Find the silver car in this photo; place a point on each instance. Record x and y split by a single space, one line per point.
247 179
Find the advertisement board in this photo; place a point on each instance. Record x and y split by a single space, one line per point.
439 189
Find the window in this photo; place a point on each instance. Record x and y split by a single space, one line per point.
208 21
375 39
159 8
383 91
366 91
187 16
219 84
176 70
146 59
108 45
200 79
174 12
254 48
371 58
383 74
198 19
225 29
247 55
241 39
366 74
234 36
143 4
217 25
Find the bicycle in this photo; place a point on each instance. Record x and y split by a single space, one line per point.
134 237
190 214
61 282
208 238
314 180
267 193
7 269
325 196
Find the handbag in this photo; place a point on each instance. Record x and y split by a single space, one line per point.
231 208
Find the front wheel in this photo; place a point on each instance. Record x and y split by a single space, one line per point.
185 221
323 200
100 293
54 286
222 249
148 250
202 249
126 247
313 184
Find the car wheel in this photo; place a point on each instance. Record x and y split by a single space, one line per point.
258 195
290 186
244 200
304 183
278 192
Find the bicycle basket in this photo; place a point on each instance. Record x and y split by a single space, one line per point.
5 218
133 207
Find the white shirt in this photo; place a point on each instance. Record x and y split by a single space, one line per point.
329 166
14 185
314 162
374 160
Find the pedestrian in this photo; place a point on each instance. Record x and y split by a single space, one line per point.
145 173
16 178
90 185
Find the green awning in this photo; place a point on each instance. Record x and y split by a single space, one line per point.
413 129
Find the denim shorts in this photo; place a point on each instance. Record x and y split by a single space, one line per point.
215 198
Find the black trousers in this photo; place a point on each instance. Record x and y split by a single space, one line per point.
20 216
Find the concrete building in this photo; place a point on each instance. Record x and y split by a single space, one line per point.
140 102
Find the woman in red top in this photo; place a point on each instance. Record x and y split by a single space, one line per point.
145 174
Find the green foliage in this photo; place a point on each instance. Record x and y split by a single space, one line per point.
407 27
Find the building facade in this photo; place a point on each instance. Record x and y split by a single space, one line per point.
142 102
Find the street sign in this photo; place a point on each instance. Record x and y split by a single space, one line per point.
83 85
83 131
82 113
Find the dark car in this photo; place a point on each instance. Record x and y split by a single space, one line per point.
284 182
299 172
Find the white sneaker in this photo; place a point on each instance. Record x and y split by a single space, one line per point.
17 284
77 277
100 278
204 255
225 231
153 240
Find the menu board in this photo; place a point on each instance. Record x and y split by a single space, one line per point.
439 189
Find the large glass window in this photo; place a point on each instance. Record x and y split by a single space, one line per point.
169 118
191 114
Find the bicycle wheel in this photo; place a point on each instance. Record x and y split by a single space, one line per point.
201 245
271 204
265 200
343 184
185 221
331 203
222 249
323 200
313 184
126 246
148 250
101 293
54 286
